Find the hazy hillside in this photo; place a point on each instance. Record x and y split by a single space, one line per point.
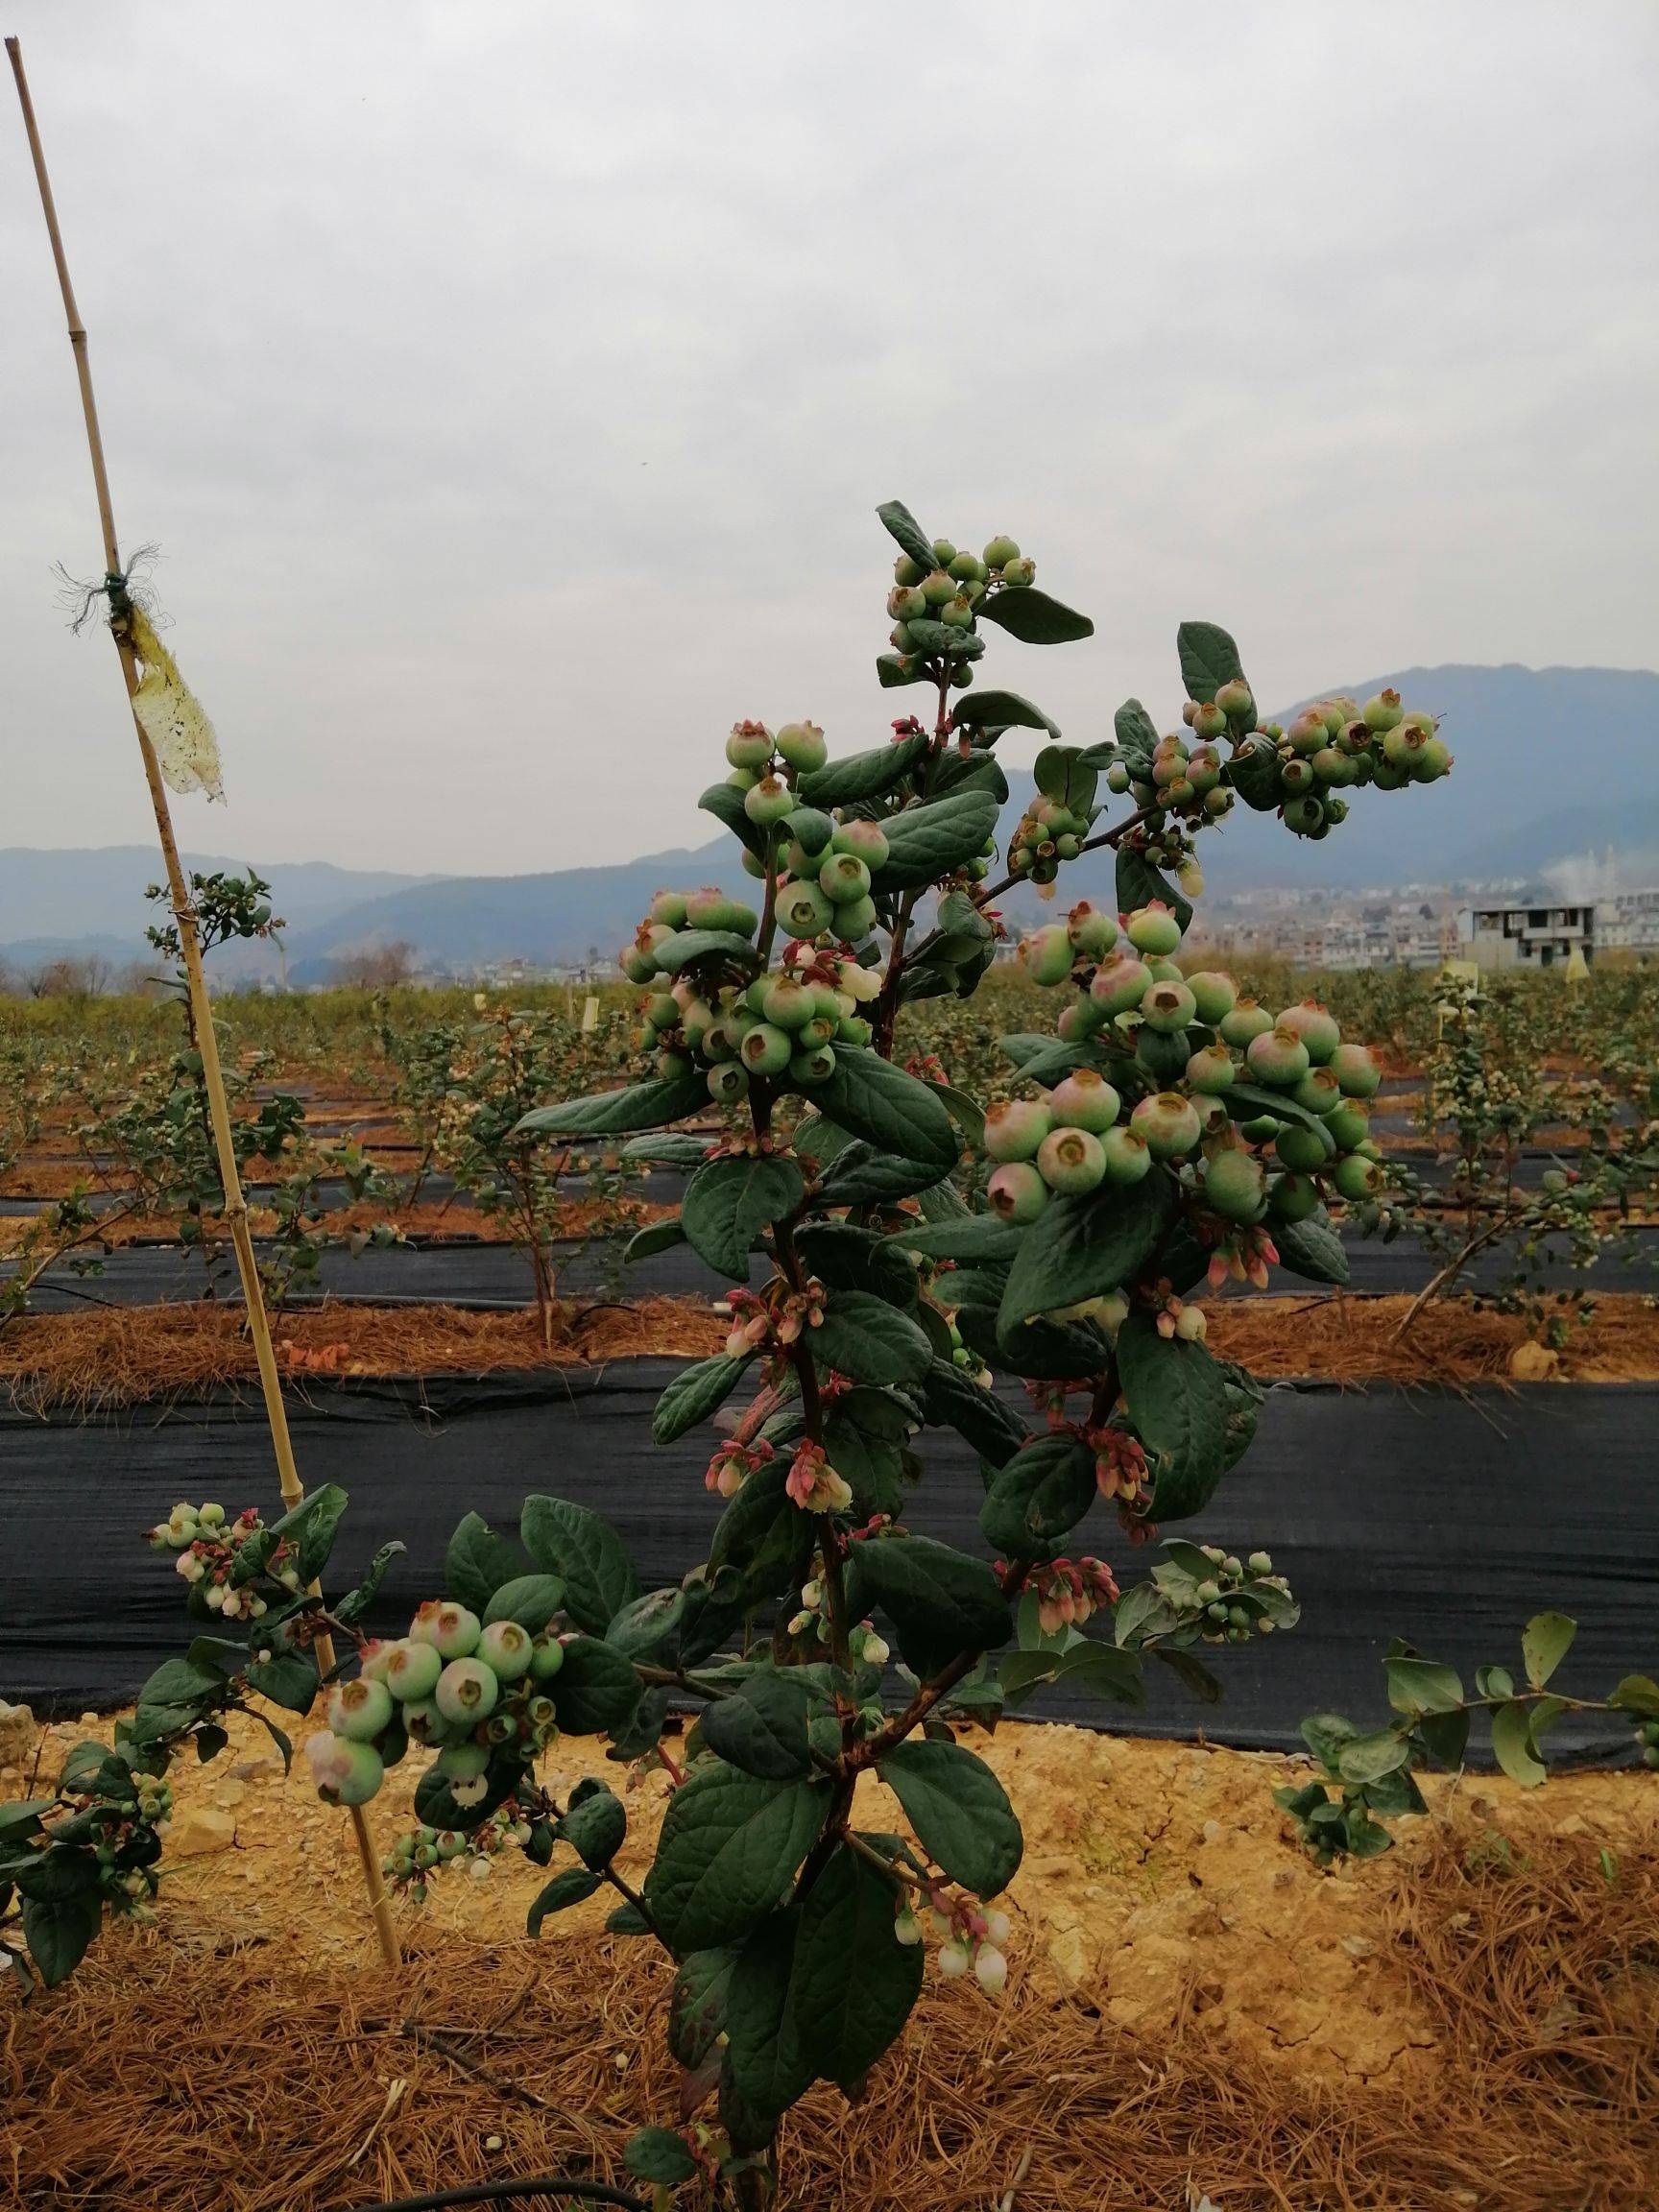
1552 762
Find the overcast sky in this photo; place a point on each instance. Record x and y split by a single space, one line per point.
510 385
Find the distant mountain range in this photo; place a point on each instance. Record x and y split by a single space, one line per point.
1551 764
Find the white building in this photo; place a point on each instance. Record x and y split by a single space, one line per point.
1527 936
1629 920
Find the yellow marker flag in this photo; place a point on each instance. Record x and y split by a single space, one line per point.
171 716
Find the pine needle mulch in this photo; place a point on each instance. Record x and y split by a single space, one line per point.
240 2080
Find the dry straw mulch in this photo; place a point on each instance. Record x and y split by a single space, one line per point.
251 2081
115 1355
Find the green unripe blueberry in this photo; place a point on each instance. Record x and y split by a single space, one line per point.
1118 777
769 801
426 1724
1319 1092
1169 1122
1015 1128
966 567
412 1671
661 1011
1153 929
1315 1026
451 1629
546 1658
1080 1020
1387 778
1247 1021
505 1649
765 1051
815 1066
943 551
668 907
1235 700
1211 719
461 1763
636 964
1167 1008
905 603
1090 930
671 1065
855 919
1120 984
1307 734
359 1710
1211 1069
1084 1099
957 614
818 1031
1128 1157
1299 1149
1234 1184
853 1029
801 744
1163 1056
1331 768
999 551
467 1692
811 829
1306 817
1019 572
1277 1057
907 571
1047 954
1214 993
939 589
867 839
788 1004
1383 711
1017 1192
749 747
355 1776
844 878
1356 1178
728 1081
1293 1199
1260 1129
1433 762
1071 1162
1350 1126
1355 1070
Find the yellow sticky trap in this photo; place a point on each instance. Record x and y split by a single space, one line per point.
590 1014
171 716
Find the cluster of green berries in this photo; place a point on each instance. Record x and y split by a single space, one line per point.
1049 832
969 1937
415 1854
209 1559
1227 1603
1648 1736
932 610
464 1688
780 1026
123 1822
1335 745
1178 1044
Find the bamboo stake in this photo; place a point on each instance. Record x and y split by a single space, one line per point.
200 1006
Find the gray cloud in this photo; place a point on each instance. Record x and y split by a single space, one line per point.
510 386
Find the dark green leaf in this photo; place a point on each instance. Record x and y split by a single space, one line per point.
688 948
694 1394
1063 773
852 1983
763 1534
960 1813
357 1600
762 1729
1080 1248
728 1850
1545 1643
999 711
1177 1403
1311 1249
311 1527
1421 1685
1033 617
1209 658
586 1556
846 1258
697 2005
1141 884
903 527
994 1431
859 777
655 1236
762 2051
288 1678
1136 736
1039 1496
870 1097
1637 1694
730 1201
530 1600
926 842
725 802
977 1237
1244 1099
862 1336
615 1113
1513 1747
863 1174
596 1689
1364 1759
940 1600
658 2154
478 1562
569 1887
58 1935
594 1827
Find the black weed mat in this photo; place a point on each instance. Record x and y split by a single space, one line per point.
460 1271
1447 1517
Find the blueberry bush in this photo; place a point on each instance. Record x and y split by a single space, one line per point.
899 1255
